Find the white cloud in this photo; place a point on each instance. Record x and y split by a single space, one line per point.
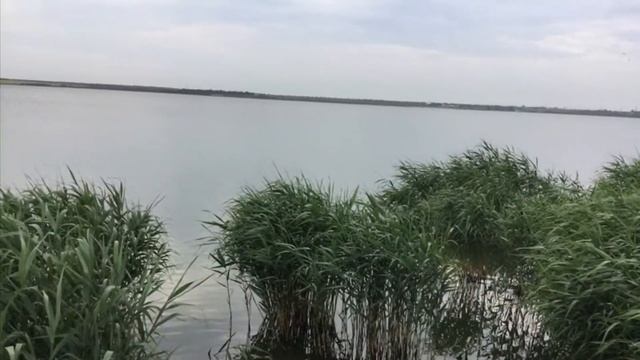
199 38
336 7
327 47
585 43
594 39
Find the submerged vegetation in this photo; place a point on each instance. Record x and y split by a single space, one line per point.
482 255
80 274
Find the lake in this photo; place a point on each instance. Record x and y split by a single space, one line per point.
197 152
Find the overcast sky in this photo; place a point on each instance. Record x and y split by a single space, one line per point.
575 53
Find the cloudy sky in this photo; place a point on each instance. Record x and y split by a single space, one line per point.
575 53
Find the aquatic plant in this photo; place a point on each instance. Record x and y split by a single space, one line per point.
620 175
312 258
588 268
482 255
392 284
281 240
470 194
79 267
484 205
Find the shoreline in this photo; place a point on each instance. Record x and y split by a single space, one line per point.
320 99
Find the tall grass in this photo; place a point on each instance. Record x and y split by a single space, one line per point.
393 281
588 269
336 277
618 176
479 256
488 205
481 205
469 196
282 239
79 267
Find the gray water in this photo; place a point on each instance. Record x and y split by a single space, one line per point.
196 152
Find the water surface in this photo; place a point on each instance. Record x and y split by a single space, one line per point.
196 152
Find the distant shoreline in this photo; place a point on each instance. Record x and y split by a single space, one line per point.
333 100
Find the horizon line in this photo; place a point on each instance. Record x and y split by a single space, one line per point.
324 99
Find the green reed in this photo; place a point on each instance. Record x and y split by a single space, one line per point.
281 240
618 176
587 285
78 269
312 258
479 256
393 281
479 205
469 196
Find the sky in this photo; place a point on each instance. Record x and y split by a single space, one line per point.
569 53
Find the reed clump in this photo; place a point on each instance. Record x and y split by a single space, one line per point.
394 277
588 267
471 194
619 176
484 205
282 241
78 269
481 256
337 277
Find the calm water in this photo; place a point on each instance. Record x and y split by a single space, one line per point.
197 152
